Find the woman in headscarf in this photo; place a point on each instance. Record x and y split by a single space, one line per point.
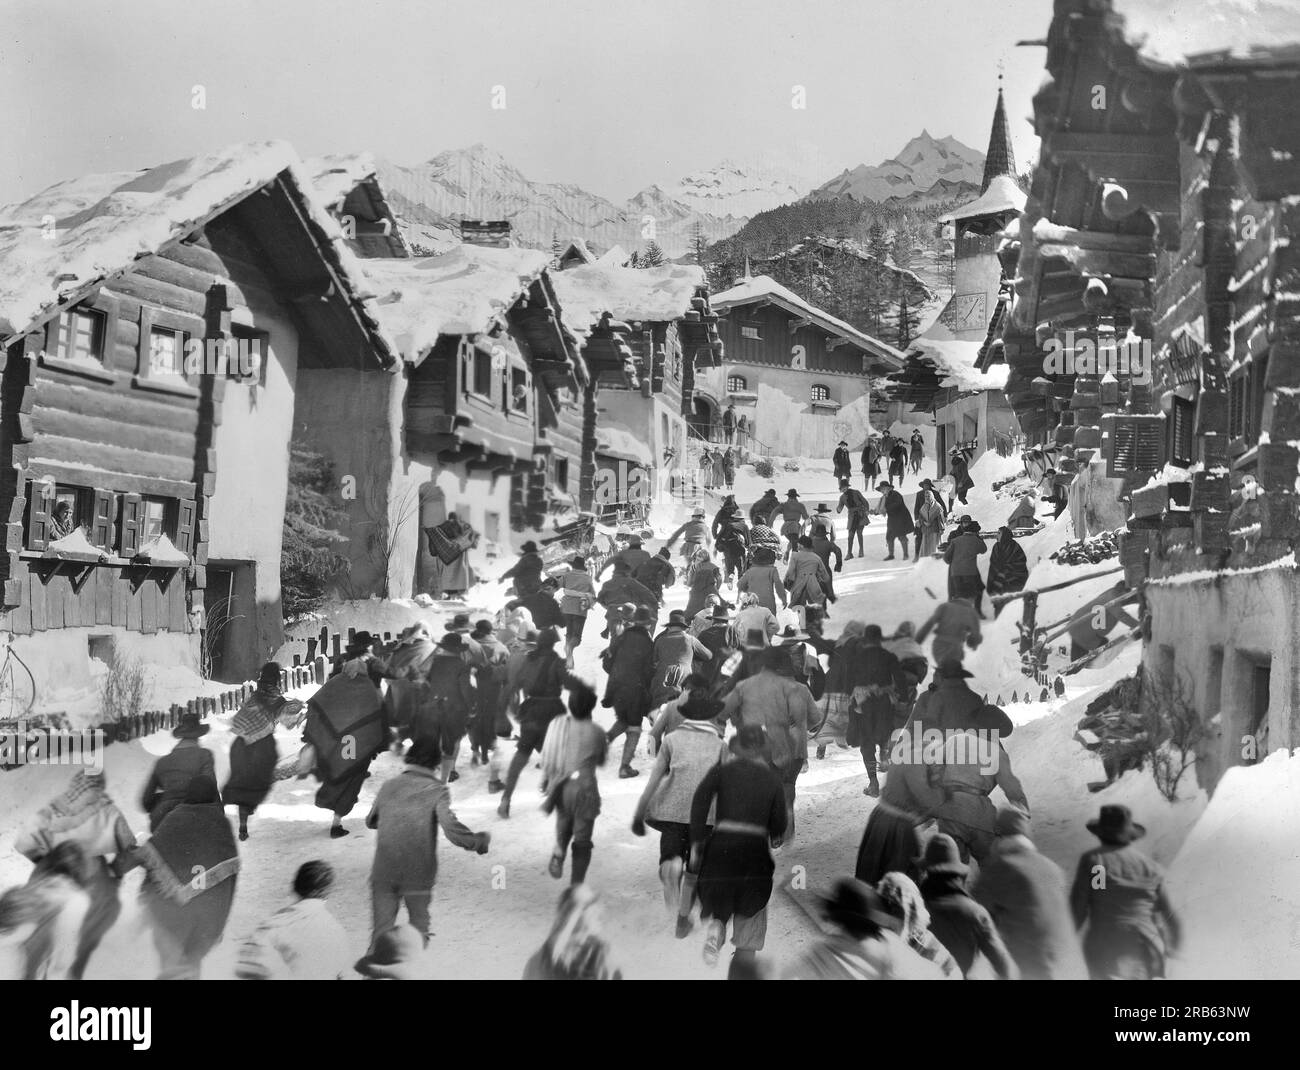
84 815
575 949
253 754
1008 567
192 863
903 900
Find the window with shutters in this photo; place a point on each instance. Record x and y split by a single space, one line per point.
736 384
1258 393
820 392
1182 443
154 519
1137 445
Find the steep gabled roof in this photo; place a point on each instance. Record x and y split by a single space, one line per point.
60 245
348 183
764 288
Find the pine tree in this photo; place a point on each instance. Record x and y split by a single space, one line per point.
907 322
653 255
699 244
309 558
634 260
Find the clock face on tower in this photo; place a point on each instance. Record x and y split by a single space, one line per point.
968 312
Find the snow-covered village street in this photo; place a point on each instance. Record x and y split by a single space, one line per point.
696 524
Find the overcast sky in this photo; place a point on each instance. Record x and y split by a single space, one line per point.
609 95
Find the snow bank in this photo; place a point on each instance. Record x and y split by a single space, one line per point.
632 294
1234 881
458 292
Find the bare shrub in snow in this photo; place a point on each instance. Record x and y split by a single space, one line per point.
121 692
1174 730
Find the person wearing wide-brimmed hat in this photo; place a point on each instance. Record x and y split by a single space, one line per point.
859 516
1119 893
793 515
253 754
1024 892
917 451
898 460
675 653
685 755
961 924
867 944
448 700
841 462
527 571
806 577
731 536
968 779
761 511
172 773
634 555
490 679
398 954
656 574
621 588
898 521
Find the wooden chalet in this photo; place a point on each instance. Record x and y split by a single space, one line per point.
647 335
801 377
348 187
486 422
144 483
1168 218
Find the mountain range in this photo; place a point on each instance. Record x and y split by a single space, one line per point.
430 199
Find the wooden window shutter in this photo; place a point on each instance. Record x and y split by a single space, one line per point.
1121 448
1149 446
101 519
129 525
1237 406
185 526
1137 444
38 517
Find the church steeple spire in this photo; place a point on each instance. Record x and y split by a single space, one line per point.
999 159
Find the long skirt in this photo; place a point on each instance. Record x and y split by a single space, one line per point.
252 771
735 876
341 796
184 933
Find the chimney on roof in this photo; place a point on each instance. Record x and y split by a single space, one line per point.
491 232
999 160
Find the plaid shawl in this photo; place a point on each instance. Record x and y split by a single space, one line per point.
256 717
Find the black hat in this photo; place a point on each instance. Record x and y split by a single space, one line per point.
941 856
579 564
858 907
823 507
872 633
677 618
529 547
952 669
884 483
269 675
453 642
1116 825
190 727
634 539
699 707
665 553
646 616
459 621
792 493
843 443
482 629
928 483
720 614
361 641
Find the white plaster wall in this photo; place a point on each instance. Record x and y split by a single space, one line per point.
1247 615
59 658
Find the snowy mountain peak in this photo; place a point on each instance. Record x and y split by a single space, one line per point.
922 162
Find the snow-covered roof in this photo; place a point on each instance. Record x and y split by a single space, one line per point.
57 246
615 442
334 177
658 294
1003 195
955 359
765 288
458 292
1173 32
616 254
